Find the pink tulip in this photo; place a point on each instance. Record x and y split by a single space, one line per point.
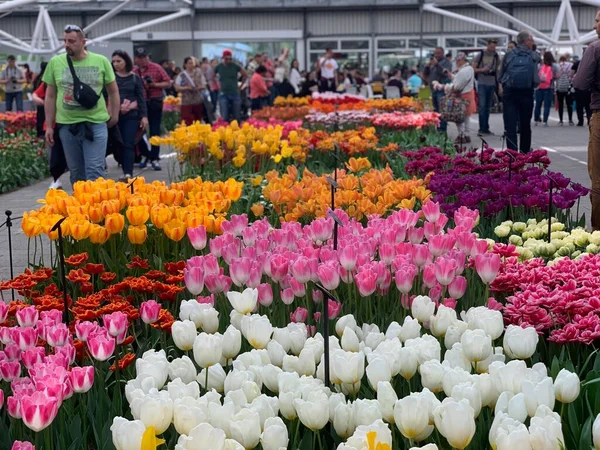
25 337
216 246
334 308
197 237
58 359
429 278
239 270
435 293
278 265
441 244
22 386
3 311
27 317
217 283
480 246
211 265
329 276
464 241
101 345
487 266
38 410
84 329
387 253
347 256
431 210
415 235
22 445
249 236
235 225
429 230
5 335
121 337
82 378
457 288
32 356
53 386
53 315
9 370
345 275
13 406
299 315
58 334
255 274
67 351
209 300
1 398
317 296
150 311
298 288
317 316
230 252
404 278
450 303
194 279
494 304
115 323
421 255
287 296
320 230
366 282
326 254
265 294
466 218
444 270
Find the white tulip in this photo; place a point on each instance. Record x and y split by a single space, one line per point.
286 404
155 365
508 377
282 336
427 347
238 398
245 428
453 376
349 341
306 362
496 355
275 434
546 433
507 433
127 434
235 378
183 333
343 420
251 390
221 415
411 329
182 368
411 415
454 333
366 412
243 302
257 330
347 367
513 405
270 377
455 357
439 323
567 386
541 393
596 433
455 421
387 398
520 342
487 389
155 409
298 335
373 339
476 345
409 361
216 378
232 444
266 407
470 392
204 436
235 318
393 330
422 308
248 359
317 345
314 411
432 375
178 389
345 321
208 349
334 400
188 413
486 319
389 350
378 370
232 342
426 447
382 432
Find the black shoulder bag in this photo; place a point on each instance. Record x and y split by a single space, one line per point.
82 93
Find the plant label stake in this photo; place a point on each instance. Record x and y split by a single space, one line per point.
327 296
130 185
63 276
511 158
503 140
484 144
550 207
10 253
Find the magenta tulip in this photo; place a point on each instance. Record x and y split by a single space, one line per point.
464 241
27 317
13 407
440 244
457 288
197 237
366 282
58 334
150 311
101 345
431 210
347 256
415 235
429 278
421 255
38 410
194 279
445 270
22 445
24 337
82 378
334 308
33 356
84 329
9 370
278 266
67 351
387 253
487 266
209 300
54 315
217 283
116 323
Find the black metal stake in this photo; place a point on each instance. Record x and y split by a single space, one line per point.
327 296
503 139
10 253
550 210
511 158
483 145
63 275
131 185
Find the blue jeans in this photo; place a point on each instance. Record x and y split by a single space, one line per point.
435 97
214 98
85 158
231 106
17 97
543 96
486 97
128 129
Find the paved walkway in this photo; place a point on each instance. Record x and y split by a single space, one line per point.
567 147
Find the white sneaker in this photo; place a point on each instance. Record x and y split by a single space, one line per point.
57 184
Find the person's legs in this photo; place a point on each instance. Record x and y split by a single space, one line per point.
155 110
525 107
94 152
547 104
224 107
57 161
560 99
486 94
197 113
569 100
579 105
128 129
539 98
236 106
594 169
19 100
436 98
72 147
186 114
510 121
9 100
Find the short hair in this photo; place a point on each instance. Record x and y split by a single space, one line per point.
187 59
163 61
439 48
11 58
261 69
563 58
523 36
125 57
513 43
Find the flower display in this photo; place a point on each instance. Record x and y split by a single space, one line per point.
401 121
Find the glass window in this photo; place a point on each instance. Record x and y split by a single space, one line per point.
355 45
403 60
244 51
322 45
354 60
427 43
460 42
482 42
391 43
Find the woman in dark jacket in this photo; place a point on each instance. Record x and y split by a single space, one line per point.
134 114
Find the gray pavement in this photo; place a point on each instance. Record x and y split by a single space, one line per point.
567 146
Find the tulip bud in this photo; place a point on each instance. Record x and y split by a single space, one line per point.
184 334
520 342
456 422
566 386
82 378
150 311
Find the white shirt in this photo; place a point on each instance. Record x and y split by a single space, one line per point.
328 67
295 79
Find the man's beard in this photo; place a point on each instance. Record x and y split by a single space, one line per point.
70 52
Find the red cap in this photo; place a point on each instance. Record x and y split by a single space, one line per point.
226 52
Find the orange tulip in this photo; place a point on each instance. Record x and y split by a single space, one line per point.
110 207
114 223
31 225
160 215
258 209
175 229
95 213
137 215
137 234
99 234
81 229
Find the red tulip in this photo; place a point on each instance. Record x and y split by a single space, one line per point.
38 410
150 310
116 323
82 378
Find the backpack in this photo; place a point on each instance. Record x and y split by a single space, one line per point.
520 72
545 74
563 84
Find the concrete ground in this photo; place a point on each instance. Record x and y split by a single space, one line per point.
567 147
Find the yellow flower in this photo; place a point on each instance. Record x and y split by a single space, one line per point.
137 215
175 229
239 161
114 223
99 234
258 209
358 164
256 180
81 229
371 436
160 215
277 158
149 439
137 234
31 225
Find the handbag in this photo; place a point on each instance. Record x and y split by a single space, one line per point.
453 108
82 93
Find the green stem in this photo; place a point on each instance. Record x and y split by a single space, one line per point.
319 440
206 380
48 439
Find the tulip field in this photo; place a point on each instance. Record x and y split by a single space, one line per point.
332 275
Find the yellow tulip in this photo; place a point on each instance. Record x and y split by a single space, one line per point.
31 225
256 180
137 234
99 234
137 215
160 215
110 207
81 229
175 229
114 223
258 209
95 213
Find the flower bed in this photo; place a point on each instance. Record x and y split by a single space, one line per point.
18 122
23 159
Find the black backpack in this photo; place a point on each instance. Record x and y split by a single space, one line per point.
520 72
82 93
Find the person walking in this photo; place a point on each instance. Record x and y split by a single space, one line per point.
519 77
437 70
564 86
13 78
543 95
230 99
486 66
134 114
462 83
155 81
328 68
38 100
74 83
414 83
190 83
259 94
213 84
588 78
582 98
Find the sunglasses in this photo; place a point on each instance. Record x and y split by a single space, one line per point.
71 28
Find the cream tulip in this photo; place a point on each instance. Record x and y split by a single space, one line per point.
348 367
155 365
245 428
282 336
298 335
455 421
314 411
155 409
596 433
243 302
541 393
411 329
453 376
257 330
208 349
270 377
454 333
409 361
455 357
183 333
201 437
349 341
476 345
546 433
182 368
513 405
275 434
378 370
343 420
221 415
127 434
567 386
432 375
520 342
422 308
216 378
470 392
411 415
188 413
439 323
232 342
387 398
178 389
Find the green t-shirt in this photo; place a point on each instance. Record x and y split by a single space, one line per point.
228 76
95 70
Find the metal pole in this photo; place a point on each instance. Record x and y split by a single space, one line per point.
421 2
550 210
63 276
193 31
10 254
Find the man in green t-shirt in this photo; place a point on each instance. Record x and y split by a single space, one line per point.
83 132
230 100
